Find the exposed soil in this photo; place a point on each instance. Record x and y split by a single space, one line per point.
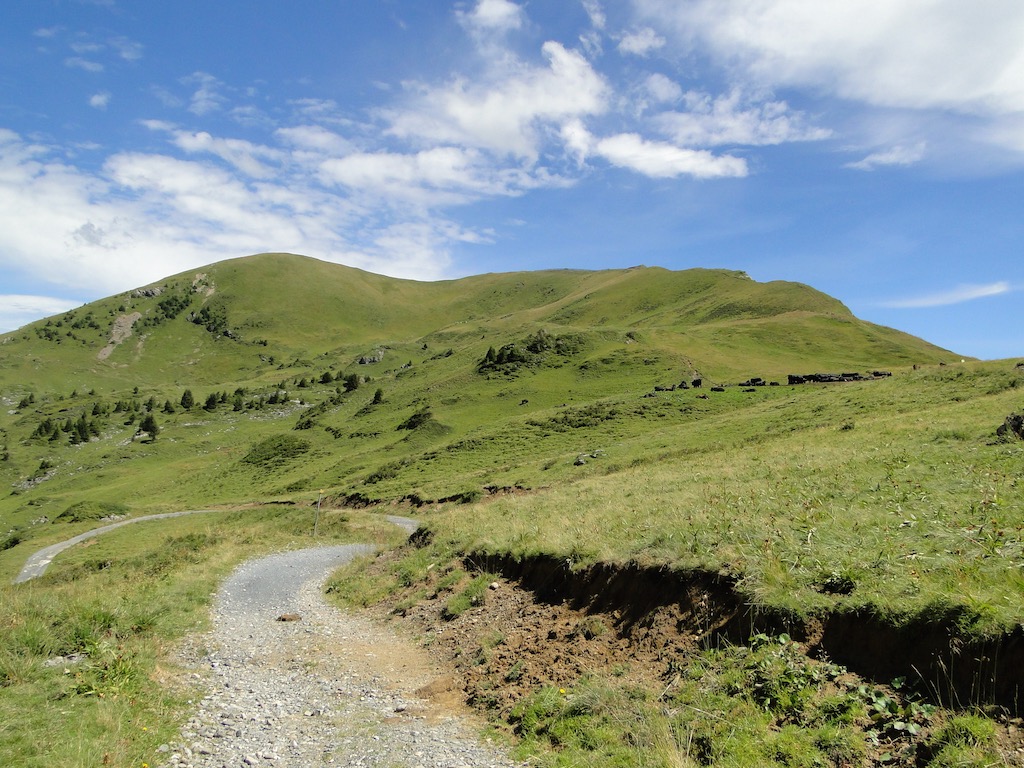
542 624
121 332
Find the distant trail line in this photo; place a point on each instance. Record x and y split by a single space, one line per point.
36 565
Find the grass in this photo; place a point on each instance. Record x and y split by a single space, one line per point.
891 496
114 609
893 514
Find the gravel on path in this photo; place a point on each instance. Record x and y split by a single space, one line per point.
325 688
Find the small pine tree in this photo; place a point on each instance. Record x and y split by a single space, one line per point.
378 397
211 402
352 382
168 406
187 400
149 426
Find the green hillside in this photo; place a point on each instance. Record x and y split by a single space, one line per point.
287 344
525 418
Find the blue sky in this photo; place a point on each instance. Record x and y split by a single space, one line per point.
873 149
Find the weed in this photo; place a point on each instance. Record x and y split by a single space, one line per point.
469 597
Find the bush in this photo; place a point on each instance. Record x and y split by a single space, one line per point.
91 510
275 450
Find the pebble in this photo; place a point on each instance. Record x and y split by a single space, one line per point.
264 707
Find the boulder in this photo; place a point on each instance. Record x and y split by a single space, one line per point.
1012 427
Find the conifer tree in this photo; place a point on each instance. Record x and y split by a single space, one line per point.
149 426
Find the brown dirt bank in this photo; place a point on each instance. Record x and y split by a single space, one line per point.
544 623
637 600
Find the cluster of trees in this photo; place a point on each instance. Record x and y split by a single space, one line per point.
529 351
238 400
350 382
81 430
64 328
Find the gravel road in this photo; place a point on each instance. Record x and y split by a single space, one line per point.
327 689
37 564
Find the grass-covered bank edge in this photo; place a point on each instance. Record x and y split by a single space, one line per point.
87 669
728 686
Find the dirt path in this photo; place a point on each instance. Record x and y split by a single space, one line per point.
321 688
324 688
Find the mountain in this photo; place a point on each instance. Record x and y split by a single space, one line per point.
307 375
238 320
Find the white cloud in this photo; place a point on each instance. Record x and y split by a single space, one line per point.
82 46
99 100
127 49
243 155
505 112
492 16
146 216
77 62
206 98
937 54
900 156
18 310
661 160
641 42
436 177
656 159
596 13
315 138
662 89
958 295
729 119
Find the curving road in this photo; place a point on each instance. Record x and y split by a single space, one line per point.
321 689
36 564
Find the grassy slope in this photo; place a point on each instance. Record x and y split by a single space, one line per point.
293 319
897 484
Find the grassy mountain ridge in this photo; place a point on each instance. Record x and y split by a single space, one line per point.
531 417
239 319
386 380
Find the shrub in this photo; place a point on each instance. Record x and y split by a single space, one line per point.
275 450
91 510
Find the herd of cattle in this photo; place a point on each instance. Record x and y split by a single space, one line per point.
757 381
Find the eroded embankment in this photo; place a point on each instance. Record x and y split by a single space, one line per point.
659 608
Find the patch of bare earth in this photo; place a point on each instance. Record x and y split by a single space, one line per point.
531 631
120 333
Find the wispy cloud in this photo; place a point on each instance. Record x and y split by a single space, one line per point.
733 118
16 310
77 62
207 96
921 59
641 43
492 16
898 156
507 109
958 295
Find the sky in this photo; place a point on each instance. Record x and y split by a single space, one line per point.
872 149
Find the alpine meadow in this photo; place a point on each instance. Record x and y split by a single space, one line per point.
667 518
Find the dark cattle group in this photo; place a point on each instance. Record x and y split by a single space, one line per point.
828 378
751 384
